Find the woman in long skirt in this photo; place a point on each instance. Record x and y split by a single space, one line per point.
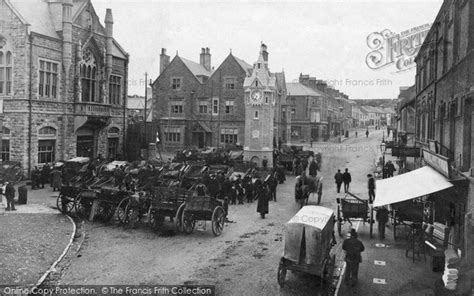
263 198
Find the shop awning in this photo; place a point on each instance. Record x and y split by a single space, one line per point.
410 185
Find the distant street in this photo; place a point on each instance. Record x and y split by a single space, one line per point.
242 261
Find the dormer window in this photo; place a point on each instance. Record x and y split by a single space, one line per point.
259 65
256 83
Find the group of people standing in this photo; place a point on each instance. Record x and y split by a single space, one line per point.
46 175
345 178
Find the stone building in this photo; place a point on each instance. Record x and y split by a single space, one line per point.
444 127
308 113
62 80
197 105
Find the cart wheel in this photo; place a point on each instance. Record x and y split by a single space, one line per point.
83 206
105 212
328 271
179 218
281 273
188 222
65 203
121 213
339 221
132 215
218 220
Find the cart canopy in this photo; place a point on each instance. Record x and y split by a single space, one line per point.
410 185
111 165
79 159
308 235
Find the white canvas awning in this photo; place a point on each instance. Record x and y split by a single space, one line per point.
410 185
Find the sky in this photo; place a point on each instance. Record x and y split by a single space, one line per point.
325 39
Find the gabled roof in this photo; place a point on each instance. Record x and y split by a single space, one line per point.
298 89
37 14
195 68
243 64
118 51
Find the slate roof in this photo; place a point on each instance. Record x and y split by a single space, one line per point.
37 14
246 66
195 68
298 89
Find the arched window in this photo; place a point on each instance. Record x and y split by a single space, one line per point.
89 77
46 144
6 63
114 131
5 144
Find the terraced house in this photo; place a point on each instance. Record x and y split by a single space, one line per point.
62 82
196 105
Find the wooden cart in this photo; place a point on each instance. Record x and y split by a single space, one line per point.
203 208
352 208
308 241
167 202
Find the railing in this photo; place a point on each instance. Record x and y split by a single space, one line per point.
92 109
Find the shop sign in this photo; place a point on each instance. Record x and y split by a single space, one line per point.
406 151
438 162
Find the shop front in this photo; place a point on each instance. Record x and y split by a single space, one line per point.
435 197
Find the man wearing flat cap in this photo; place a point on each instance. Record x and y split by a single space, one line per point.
353 248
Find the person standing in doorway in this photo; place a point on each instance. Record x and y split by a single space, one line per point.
346 178
382 219
338 179
371 187
353 248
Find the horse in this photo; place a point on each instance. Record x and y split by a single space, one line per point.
305 186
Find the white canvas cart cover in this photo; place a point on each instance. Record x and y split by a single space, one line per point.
111 165
308 234
410 185
79 159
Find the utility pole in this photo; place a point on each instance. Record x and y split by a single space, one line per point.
145 115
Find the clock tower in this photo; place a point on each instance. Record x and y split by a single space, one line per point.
260 95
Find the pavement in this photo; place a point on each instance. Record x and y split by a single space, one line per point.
386 269
34 238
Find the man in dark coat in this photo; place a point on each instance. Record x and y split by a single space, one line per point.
371 187
10 195
367 133
35 174
262 193
353 248
390 169
313 168
382 219
45 175
304 163
338 179
346 178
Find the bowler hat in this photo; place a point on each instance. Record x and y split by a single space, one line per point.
353 233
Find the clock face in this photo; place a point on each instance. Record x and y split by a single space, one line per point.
256 97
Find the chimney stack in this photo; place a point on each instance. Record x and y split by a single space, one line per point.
164 60
109 32
205 58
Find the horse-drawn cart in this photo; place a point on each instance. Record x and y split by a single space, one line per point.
167 202
203 208
305 186
307 244
350 208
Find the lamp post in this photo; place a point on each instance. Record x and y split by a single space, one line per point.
383 146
